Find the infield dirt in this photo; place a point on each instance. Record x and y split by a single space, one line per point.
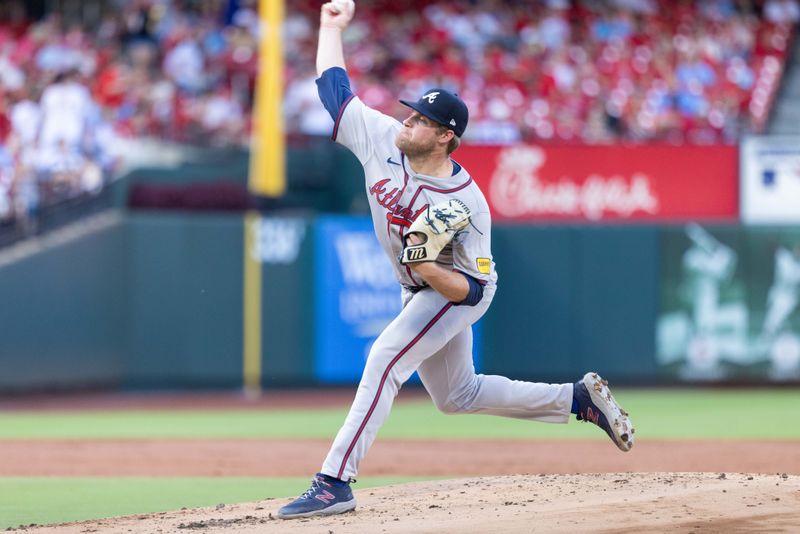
682 486
608 503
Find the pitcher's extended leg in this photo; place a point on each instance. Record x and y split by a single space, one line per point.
449 376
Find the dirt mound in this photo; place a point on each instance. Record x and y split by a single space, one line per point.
616 502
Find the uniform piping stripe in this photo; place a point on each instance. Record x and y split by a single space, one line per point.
400 229
339 118
383 381
408 270
414 199
429 188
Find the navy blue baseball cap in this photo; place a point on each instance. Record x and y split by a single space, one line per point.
444 107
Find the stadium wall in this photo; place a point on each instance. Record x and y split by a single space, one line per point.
64 310
152 301
184 300
572 298
155 298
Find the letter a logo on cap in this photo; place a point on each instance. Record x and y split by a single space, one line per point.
431 96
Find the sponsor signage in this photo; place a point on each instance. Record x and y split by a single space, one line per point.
277 240
356 297
770 174
606 183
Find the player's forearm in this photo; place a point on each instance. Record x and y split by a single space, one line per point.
330 52
450 284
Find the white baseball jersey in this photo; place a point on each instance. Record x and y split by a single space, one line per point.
397 195
431 336
65 109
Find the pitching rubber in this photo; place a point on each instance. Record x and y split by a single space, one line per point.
620 421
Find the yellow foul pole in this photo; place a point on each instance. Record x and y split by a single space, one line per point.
268 147
267 178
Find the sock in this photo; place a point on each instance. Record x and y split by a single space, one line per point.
333 480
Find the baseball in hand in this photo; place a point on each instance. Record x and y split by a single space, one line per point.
346 7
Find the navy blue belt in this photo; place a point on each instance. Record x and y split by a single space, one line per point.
415 289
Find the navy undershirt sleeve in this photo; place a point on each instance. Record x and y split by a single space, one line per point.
475 292
334 90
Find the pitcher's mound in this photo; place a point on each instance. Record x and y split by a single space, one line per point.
624 502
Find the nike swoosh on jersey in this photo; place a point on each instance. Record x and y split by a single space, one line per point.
389 160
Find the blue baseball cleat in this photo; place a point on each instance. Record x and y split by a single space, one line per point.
326 496
596 404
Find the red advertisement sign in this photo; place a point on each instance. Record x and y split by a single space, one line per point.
606 183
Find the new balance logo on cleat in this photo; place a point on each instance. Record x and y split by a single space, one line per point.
592 415
326 496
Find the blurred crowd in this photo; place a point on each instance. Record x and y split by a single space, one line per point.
593 71
146 68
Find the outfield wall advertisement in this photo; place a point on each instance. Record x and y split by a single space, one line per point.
606 183
356 296
729 304
770 180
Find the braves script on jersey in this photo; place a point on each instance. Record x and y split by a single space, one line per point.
431 335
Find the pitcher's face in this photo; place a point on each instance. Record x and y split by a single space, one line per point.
419 135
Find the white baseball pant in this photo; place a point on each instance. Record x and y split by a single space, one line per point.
434 337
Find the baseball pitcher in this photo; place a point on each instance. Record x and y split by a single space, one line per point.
433 223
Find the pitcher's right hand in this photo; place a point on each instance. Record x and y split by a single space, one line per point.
337 14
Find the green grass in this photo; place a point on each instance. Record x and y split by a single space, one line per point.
658 414
45 500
